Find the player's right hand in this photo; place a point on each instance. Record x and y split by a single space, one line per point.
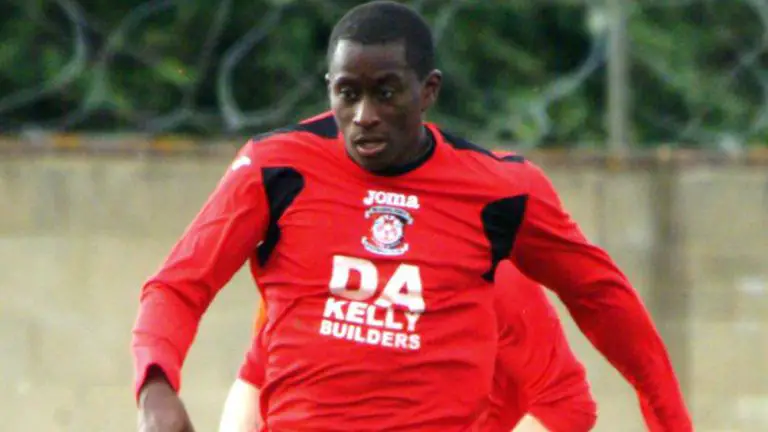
161 409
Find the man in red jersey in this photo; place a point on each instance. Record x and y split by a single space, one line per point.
376 237
539 385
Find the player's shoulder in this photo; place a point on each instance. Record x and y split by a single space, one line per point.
294 141
494 163
465 148
501 166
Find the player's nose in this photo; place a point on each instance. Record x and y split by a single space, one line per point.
366 114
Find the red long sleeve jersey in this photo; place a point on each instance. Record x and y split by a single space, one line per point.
390 276
536 372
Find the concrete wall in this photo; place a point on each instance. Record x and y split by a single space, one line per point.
79 234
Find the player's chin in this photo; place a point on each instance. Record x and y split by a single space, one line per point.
371 160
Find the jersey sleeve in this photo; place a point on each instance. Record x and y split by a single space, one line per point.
225 232
550 248
252 369
534 353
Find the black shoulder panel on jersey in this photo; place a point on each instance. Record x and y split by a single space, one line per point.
501 222
513 158
324 127
282 185
462 144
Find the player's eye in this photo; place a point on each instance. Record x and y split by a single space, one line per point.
386 94
347 93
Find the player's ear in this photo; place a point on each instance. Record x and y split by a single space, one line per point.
328 82
430 89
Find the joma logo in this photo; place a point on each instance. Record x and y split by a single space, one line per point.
391 199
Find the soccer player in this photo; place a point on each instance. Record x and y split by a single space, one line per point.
539 385
374 239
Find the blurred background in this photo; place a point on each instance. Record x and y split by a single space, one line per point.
118 117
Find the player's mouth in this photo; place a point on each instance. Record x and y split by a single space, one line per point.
369 147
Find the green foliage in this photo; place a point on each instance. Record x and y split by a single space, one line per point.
522 71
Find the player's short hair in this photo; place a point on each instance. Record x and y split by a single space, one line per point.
382 22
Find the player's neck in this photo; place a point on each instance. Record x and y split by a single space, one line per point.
426 142
415 158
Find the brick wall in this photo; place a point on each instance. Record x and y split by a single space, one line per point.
78 234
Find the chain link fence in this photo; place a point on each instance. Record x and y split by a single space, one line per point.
537 74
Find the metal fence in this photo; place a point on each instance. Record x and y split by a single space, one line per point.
688 71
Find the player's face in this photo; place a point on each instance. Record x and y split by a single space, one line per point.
378 102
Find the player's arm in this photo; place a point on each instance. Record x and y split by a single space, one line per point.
550 248
529 423
535 355
241 409
225 232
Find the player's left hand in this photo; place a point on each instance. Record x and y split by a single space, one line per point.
161 409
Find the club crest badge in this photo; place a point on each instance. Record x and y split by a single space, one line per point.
387 233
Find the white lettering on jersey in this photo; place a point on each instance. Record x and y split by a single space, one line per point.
389 321
391 199
343 267
241 162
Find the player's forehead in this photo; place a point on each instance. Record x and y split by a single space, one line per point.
354 60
